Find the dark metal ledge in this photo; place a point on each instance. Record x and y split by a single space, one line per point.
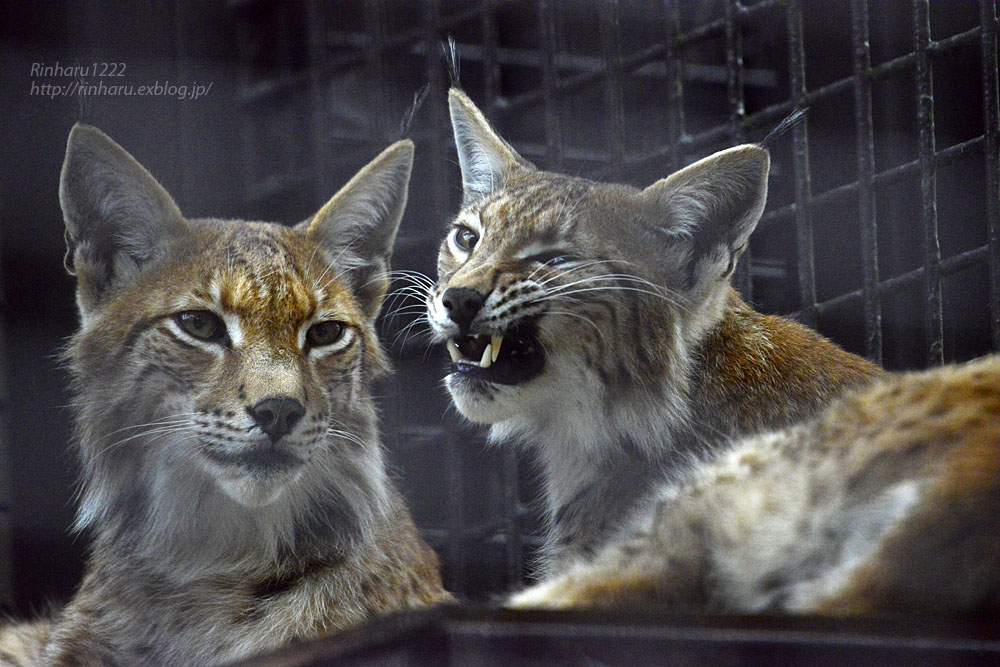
487 637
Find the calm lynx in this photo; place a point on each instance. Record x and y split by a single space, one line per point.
232 475
595 323
884 504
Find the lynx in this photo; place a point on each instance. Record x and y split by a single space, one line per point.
595 323
886 503
232 475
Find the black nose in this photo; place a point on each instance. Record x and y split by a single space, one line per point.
277 416
462 304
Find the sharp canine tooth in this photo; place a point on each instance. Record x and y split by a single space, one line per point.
485 361
453 350
495 347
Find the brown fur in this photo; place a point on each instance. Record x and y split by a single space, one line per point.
751 365
883 504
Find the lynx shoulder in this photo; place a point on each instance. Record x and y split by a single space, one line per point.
232 475
883 504
596 324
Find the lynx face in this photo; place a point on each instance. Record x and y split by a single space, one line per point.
558 297
242 356
222 359
533 292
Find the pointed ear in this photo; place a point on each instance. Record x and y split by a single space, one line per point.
486 160
716 203
357 227
119 220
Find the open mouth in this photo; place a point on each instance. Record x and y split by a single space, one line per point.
513 358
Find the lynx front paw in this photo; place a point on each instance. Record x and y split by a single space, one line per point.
554 594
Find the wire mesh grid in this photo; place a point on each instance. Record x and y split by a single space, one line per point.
6 567
882 224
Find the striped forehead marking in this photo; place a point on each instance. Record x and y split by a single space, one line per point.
547 201
260 277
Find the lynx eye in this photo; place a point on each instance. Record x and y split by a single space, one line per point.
553 257
465 238
323 333
201 324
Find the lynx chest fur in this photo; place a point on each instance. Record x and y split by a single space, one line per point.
232 476
595 323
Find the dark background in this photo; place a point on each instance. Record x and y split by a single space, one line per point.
884 243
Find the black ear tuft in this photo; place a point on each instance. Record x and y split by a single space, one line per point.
787 123
451 56
418 101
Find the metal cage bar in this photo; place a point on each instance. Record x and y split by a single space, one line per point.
550 83
322 173
800 159
865 142
949 266
455 544
374 11
439 120
933 316
6 555
636 59
491 68
771 115
611 49
674 86
511 503
991 136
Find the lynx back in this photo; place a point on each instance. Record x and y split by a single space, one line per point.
883 504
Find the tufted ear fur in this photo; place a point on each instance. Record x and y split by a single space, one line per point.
716 203
119 220
357 227
486 160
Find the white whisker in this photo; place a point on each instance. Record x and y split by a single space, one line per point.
609 288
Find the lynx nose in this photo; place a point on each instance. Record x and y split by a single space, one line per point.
277 416
462 304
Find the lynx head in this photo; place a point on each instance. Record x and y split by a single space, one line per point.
223 368
562 298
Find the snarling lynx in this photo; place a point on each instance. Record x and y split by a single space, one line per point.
232 476
596 324
886 503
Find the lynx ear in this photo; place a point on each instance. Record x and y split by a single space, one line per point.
118 218
357 227
716 203
486 160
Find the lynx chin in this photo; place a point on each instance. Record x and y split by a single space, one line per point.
595 324
232 475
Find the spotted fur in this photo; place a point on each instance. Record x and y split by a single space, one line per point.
649 355
220 528
883 504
